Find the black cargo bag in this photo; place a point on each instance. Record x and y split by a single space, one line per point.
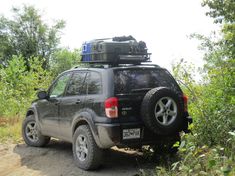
118 49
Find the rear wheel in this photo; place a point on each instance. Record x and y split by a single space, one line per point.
87 154
31 135
167 146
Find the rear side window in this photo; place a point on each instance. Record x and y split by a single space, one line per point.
93 83
76 84
130 80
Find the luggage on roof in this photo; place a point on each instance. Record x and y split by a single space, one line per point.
123 49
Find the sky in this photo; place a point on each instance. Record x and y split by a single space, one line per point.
165 25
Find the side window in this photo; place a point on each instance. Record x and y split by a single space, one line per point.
76 85
58 88
94 83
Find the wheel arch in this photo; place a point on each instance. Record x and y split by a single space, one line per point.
86 118
80 122
33 111
30 112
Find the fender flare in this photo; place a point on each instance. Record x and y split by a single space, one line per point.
86 116
33 111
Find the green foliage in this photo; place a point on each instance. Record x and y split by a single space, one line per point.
17 84
29 59
211 102
64 59
194 159
210 149
221 10
214 110
203 160
29 36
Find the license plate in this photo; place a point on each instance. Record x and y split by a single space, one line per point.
133 133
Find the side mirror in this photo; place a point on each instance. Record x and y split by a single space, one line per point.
42 95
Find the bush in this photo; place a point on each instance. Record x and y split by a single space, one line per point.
17 85
210 149
203 160
211 102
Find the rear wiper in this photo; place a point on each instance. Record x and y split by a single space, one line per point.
140 90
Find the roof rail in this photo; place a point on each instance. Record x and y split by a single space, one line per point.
99 65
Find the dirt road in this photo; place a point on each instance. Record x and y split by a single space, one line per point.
56 160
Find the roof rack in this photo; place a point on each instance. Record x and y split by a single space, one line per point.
99 65
136 59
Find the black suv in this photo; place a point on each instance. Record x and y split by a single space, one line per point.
97 107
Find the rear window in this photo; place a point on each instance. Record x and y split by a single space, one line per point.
131 80
94 83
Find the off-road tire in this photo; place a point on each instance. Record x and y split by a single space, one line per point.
94 157
148 108
40 141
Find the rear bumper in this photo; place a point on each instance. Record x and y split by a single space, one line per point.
112 134
190 119
108 134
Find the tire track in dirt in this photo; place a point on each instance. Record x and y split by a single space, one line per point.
56 160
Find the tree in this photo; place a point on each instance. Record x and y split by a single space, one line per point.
221 10
17 85
29 36
221 57
64 59
212 101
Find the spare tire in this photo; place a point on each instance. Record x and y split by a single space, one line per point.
162 111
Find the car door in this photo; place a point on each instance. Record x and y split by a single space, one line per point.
72 102
48 109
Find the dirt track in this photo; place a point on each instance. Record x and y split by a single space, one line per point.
56 160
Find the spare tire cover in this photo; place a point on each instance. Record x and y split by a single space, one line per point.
162 111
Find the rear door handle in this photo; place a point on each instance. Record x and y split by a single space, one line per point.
78 101
56 103
90 100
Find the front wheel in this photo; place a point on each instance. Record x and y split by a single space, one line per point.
87 155
31 134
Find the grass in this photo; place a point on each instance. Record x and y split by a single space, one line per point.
190 160
196 160
10 129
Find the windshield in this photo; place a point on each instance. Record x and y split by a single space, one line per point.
142 79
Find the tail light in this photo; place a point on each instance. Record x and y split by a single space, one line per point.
185 98
111 107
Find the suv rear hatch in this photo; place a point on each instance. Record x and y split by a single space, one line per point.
131 84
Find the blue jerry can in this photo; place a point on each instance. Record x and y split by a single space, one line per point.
86 51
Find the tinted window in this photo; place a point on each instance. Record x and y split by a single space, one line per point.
59 86
93 83
76 85
129 80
